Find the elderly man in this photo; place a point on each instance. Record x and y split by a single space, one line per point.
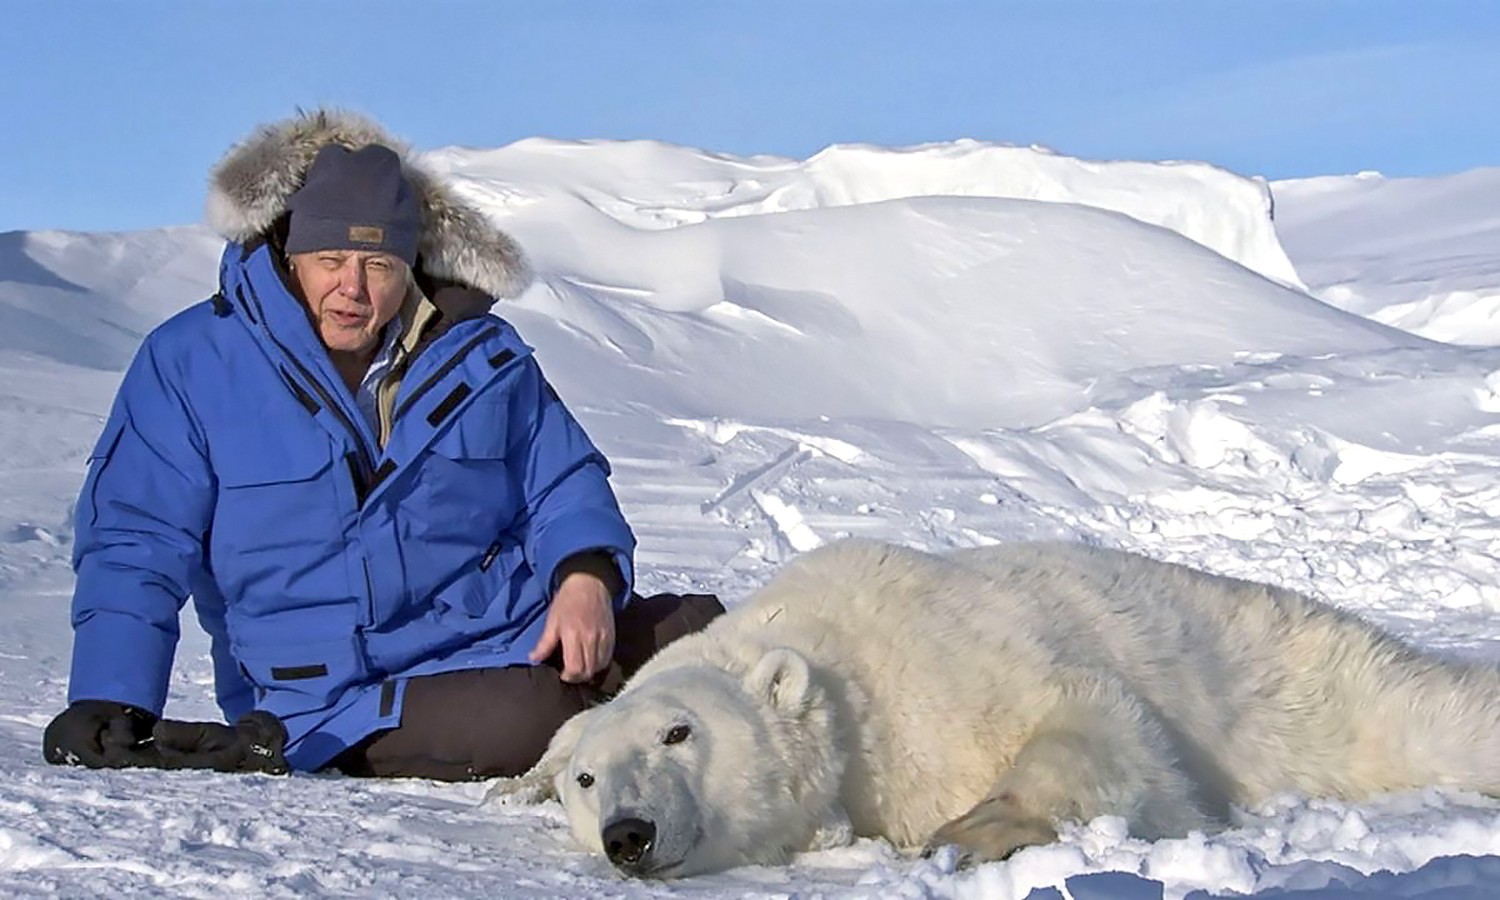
404 548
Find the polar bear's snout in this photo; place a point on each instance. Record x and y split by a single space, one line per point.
661 781
628 843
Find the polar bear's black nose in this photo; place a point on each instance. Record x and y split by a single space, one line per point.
627 842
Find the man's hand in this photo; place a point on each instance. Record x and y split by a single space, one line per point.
582 622
104 735
253 744
100 734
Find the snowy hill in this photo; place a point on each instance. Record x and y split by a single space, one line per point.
947 293
1417 253
89 299
624 180
945 345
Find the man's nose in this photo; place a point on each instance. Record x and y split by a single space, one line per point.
352 279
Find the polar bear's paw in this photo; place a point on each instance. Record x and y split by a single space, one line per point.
992 830
833 832
525 790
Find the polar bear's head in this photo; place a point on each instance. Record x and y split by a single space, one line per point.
697 769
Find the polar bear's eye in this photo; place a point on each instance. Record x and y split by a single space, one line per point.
585 780
677 734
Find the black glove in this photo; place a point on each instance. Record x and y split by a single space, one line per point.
100 734
253 744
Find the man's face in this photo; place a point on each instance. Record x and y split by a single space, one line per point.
350 294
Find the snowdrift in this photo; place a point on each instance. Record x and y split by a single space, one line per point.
945 345
939 311
647 184
1417 253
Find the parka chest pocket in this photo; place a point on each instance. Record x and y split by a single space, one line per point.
466 486
274 495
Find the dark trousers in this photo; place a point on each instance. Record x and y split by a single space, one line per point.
480 723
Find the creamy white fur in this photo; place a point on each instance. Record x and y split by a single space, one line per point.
981 697
248 191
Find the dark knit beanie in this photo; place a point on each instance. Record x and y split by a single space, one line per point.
355 200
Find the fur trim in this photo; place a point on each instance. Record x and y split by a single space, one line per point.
249 188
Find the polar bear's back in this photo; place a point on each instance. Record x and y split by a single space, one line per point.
1054 604
1242 672
1265 690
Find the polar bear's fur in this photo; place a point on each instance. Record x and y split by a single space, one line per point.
982 697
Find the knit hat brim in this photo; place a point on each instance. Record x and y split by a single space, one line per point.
307 233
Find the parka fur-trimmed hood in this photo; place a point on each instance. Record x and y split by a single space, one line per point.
249 188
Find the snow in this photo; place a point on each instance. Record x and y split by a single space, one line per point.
945 345
1417 253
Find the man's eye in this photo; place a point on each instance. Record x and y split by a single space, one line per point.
380 265
585 780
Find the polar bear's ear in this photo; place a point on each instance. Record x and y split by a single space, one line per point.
782 680
564 742
539 783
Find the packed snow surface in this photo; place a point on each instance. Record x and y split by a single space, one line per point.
946 345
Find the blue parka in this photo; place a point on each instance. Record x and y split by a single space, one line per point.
235 468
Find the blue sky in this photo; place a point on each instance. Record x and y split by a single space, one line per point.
112 112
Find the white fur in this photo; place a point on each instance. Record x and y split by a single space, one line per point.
249 188
983 697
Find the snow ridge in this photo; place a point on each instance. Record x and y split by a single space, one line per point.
1225 212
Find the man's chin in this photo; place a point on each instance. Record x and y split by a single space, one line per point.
346 340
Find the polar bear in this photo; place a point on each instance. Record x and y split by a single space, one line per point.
982 697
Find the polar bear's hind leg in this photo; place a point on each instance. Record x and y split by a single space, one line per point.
1099 751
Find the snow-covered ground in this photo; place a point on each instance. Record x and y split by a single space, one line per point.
946 345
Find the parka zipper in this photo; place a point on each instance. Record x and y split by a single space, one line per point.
369 592
447 366
366 461
363 472
362 469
